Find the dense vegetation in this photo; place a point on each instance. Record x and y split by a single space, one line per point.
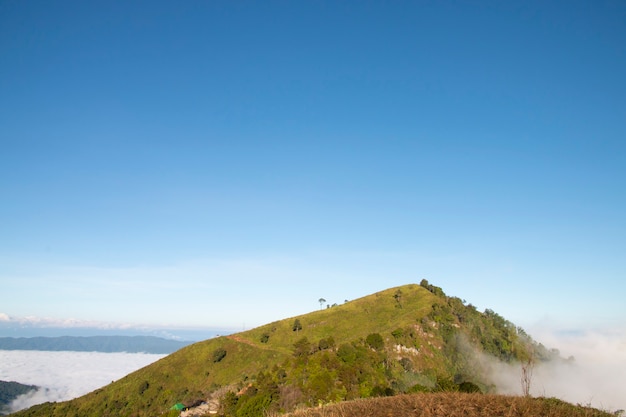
11 390
403 340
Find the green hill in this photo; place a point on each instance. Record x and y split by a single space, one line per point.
10 390
407 339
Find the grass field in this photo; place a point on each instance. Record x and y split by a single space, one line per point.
379 312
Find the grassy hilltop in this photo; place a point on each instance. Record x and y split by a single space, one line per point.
407 339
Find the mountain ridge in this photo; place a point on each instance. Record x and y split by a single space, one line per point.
107 344
404 339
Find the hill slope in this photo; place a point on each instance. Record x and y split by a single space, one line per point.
11 390
405 339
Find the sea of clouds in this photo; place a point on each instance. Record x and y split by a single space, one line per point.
66 375
592 371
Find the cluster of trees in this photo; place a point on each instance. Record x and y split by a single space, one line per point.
496 336
322 301
493 333
11 390
322 371
318 371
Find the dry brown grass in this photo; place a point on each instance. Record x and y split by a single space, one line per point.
451 405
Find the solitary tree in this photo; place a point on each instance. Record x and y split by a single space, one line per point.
322 301
527 374
528 363
398 297
297 326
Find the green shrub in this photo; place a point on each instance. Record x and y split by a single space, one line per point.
398 333
302 347
347 353
468 387
406 364
445 384
375 341
253 406
418 388
143 387
380 391
219 354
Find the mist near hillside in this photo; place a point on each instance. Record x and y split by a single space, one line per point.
592 370
66 375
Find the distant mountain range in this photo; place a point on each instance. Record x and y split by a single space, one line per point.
32 326
130 344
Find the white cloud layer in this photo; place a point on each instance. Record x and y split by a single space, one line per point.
66 375
594 376
64 323
29 326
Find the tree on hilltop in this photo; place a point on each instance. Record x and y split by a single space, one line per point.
398 297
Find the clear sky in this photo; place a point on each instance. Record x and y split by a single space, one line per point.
219 163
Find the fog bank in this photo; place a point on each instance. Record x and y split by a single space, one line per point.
592 372
66 375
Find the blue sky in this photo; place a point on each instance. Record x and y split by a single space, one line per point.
228 164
